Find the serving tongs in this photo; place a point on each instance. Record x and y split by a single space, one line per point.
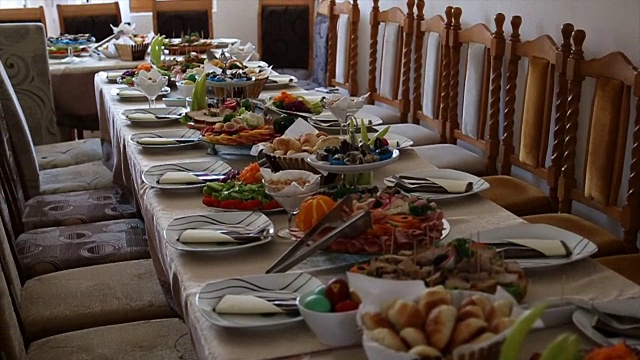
340 221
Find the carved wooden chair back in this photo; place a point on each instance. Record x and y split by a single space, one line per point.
23 15
182 18
91 19
474 107
389 84
342 65
544 76
431 71
617 90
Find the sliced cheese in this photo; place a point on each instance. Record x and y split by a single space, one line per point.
245 304
179 177
205 236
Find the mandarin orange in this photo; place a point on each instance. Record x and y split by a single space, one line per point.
312 210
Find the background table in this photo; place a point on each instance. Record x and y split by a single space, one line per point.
188 272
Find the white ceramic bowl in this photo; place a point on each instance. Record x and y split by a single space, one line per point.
185 90
335 328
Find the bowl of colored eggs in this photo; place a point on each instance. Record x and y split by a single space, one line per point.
330 311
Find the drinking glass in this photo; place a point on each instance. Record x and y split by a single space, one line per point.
70 58
291 203
150 88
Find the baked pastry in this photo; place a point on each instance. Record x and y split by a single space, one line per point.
387 338
413 336
470 311
432 298
372 321
404 314
501 325
483 338
440 325
425 352
467 330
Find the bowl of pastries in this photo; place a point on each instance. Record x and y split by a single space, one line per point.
289 153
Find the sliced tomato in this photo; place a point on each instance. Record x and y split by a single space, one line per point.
211 201
230 204
250 205
273 204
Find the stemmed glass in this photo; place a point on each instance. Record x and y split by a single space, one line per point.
291 203
151 88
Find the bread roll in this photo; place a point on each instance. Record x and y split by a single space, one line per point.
309 140
480 301
425 352
413 337
404 314
286 144
372 321
466 331
387 338
432 298
328 141
470 311
483 338
503 308
440 325
501 325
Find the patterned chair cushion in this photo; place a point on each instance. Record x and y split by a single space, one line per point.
285 36
165 339
89 176
48 250
448 156
517 196
177 24
98 26
68 153
90 297
76 208
23 52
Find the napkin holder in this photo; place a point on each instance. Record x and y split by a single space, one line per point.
135 52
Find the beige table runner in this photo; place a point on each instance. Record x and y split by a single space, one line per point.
187 272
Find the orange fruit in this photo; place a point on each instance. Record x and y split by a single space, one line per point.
312 210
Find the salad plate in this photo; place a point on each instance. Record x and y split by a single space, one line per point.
579 247
166 139
237 223
131 93
152 116
351 169
479 184
282 286
152 175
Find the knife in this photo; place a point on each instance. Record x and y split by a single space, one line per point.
180 140
208 177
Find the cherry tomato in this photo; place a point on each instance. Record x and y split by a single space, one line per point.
250 205
230 204
210 201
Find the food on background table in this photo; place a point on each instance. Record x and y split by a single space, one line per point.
62 50
433 327
181 68
71 39
238 126
354 151
333 297
187 44
128 75
240 190
289 102
462 264
308 143
312 210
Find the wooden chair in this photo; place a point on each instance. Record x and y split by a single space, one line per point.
182 18
482 74
546 61
617 81
431 71
342 65
288 41
91 19
389 84
23 15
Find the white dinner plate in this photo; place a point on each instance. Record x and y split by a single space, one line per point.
479 184
580 247
280 81
326 120
225 41
285 285
245 222
154 173
134 94
584 319
171 134
351 169
175 112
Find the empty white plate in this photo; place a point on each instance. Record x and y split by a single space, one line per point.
285 286
154 173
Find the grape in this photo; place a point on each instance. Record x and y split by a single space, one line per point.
230 176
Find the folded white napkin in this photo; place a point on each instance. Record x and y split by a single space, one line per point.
179 177
156 141
453 186
113 76
141 116
245 304
130 93
547 247
205 236
281 79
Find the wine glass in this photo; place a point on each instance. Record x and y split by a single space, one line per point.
151 88
291 203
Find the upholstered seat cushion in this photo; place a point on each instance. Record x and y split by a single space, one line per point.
164 339
419 134
388 115
68 153
448 156
76 208
625 265
608 244
89 176
90 297
517 196
48 250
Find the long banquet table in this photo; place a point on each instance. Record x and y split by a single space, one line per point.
187 272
